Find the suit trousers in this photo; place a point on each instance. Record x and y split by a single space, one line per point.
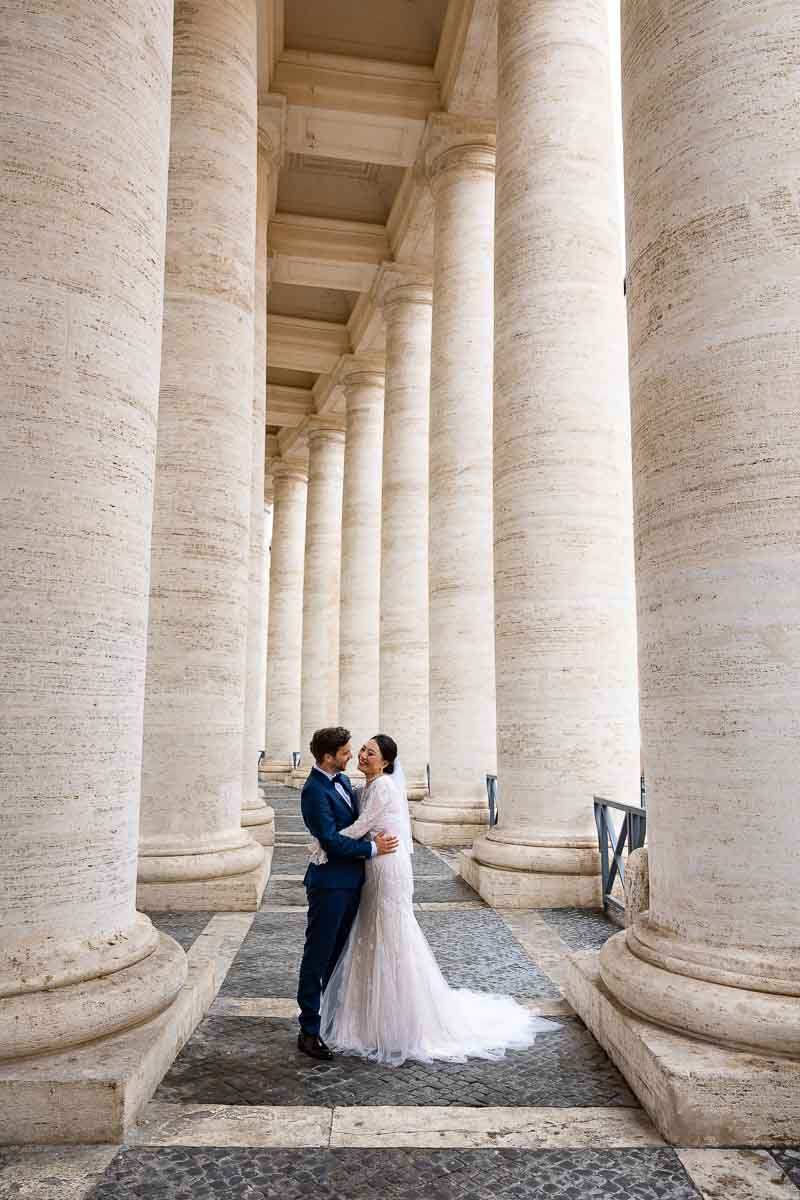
331 912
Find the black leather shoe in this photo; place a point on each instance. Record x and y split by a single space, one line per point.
314 1046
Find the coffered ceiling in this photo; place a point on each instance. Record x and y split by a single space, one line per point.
359 79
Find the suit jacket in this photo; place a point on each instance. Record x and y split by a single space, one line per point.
324 814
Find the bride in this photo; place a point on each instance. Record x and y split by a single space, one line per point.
387 1000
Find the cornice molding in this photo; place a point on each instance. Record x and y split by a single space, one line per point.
297 344
354 85
271 16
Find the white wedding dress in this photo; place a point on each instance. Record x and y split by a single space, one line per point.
387 999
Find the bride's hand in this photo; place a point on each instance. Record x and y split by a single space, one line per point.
386 843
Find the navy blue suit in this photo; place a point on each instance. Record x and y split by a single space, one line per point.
333 889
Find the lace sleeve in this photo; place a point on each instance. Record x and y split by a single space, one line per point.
377 799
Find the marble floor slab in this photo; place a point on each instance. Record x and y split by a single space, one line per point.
522 1128
740 1174
184 927
52 1172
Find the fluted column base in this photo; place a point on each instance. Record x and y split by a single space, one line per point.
449 823
514 870
94 1092
211 878
272 770
259 821
696 1093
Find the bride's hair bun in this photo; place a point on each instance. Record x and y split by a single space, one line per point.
388 749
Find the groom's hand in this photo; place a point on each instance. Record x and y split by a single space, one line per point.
386 843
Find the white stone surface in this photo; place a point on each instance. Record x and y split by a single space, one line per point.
82 219
460 161
697 1093
359 621
194 703
498 1128
714 323
94 1093
407 311
257 817
737 1175
233 1125
567 725
56 1172
320 675
285 638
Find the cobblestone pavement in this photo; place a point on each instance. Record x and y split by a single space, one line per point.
204 1173
242 1115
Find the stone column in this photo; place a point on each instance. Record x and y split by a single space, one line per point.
714 328
285 635
460 160
82 217
193 851
269 500
359 656
404 537
322 572
565 610
257 816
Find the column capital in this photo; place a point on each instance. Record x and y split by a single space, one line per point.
325 429
398 281
457 144
355 371
284 468
271 145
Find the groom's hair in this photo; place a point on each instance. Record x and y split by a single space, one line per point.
329 741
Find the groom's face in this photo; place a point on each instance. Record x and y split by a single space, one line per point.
342 756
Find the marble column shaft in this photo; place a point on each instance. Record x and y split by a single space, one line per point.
285 636
359 627
462 688
82 218
321 583
404 530
565 611
714 258
257 816
193 850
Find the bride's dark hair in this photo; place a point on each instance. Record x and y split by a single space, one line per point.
388 749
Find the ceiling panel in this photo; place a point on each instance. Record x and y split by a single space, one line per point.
317 304
392 30
330 187
287 378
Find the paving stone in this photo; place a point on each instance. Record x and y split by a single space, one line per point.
476 949
789 1161
184 927
284 892
580 928
269 958
244 1060
426 890
289 860
208 1173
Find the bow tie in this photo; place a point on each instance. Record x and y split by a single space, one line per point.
337 778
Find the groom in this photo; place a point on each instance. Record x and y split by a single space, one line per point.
333 889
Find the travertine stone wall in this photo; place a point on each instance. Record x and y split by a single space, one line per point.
359 625
285 636
321 579
567 724
462 701
194 709
256 815
82 216
710 104
404 529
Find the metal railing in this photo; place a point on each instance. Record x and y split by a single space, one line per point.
613 842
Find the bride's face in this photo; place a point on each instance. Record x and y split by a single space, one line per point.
370 760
